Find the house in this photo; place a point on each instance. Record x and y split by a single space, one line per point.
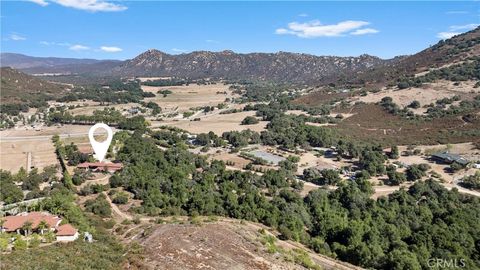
101 167
66 233
15 223
448 158
39 222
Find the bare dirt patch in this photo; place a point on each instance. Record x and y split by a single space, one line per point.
14 154
183 98
218 123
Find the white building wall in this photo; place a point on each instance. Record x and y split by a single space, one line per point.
69 238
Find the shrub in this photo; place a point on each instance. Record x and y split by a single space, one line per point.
120 198
414 105
250 120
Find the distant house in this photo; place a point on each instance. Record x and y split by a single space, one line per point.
100 166
40 222
448 158
66 233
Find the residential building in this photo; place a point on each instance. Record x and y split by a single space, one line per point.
101 167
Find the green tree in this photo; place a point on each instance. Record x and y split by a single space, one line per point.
43 226
250 120
394 152
27 227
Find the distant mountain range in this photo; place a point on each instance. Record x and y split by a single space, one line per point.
279 67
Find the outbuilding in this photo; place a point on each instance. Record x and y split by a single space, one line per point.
448 158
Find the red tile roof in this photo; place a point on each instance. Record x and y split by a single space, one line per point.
13 223
66 230
100 165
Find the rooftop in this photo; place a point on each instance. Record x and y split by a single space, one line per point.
13 223
66 230
100 164
451 157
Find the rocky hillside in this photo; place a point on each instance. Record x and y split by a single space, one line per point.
280 67
20 87
221 244
444 53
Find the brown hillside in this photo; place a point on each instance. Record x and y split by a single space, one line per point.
18 87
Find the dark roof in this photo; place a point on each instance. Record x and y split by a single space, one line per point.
451 158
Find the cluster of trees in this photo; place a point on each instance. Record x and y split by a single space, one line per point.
241 138
74 156
434 111
472 181
464 107
99 206
14 108
391 107
468 70
116 92
401 231
322 177
167 82
153 106
10 192
209 139
109 116
38 100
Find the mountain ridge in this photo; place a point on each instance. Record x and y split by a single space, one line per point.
283 67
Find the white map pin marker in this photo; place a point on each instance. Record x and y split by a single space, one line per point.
100 148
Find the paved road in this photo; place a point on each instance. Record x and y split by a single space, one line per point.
45 137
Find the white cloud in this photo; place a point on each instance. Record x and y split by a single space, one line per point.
39 2
212 41
314 29
469 26
88 5
178 50
16 37
303 15
364 31
454 12
447 35
78 47
49 43
110 49
457 30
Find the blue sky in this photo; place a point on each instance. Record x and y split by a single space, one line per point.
105 29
